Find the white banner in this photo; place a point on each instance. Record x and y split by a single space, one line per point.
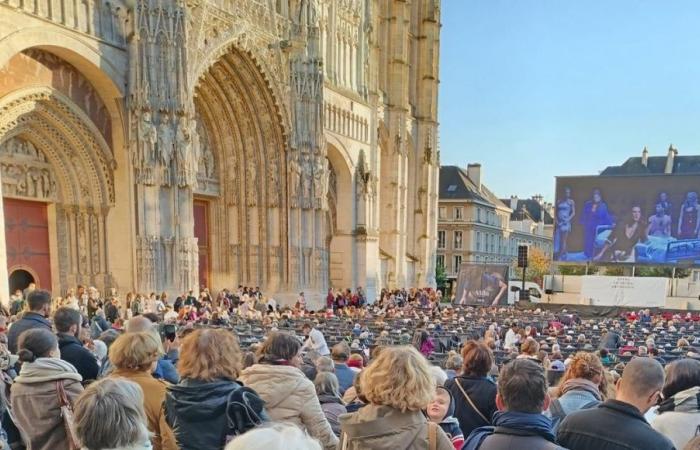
646 292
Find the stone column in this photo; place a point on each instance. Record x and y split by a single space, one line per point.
4 276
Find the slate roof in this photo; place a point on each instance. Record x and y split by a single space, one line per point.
455 184
531 209
655 165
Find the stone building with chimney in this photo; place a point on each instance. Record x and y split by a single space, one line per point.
475 226
164 145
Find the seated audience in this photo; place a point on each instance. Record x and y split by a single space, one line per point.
289 396
398 386
328 395
340 354
678 415
109 415
208 367
474 392
35 402
619 424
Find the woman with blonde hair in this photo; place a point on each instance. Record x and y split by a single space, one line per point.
134 357
208 393
288 394
398 385
583 386
109 415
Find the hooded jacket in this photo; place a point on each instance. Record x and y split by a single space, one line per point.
376 427
35 404
679 417
450 424
196 412
290 397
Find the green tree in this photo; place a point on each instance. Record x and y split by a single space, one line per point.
440 276
537 266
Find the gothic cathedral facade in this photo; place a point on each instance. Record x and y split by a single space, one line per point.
165 145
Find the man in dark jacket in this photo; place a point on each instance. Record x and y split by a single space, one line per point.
519 422
619 424
39 304
112 310
611 340
68 322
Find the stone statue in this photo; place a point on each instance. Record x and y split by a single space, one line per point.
294 180
149 138
196 151
183 145
167 140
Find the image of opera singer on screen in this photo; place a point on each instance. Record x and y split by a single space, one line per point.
620 244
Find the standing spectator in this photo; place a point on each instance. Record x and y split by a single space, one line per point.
135 356
39 306
112 310
473 391
398 386
209 367
17 302
610 341
582 387
67 322
619 424
423 343
289 396
109 415
519 422
328 395
315 340
35 392
511 338
679 413
346 376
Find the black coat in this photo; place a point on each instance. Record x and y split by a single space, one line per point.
28 321
111 312
482 392
510 439
83 360
196 411
613 425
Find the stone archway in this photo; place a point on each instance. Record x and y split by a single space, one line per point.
242 169
52 151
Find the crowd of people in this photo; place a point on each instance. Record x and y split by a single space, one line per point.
239 371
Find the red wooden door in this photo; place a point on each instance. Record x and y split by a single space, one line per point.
27 239
201 232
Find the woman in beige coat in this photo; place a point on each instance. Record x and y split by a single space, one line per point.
289 396
397 386
34 394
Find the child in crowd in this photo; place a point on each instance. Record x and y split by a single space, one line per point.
441 411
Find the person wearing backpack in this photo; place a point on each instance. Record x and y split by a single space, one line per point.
209 407
581 387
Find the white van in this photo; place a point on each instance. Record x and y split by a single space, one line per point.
514 287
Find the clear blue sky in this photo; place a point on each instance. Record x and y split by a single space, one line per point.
532 89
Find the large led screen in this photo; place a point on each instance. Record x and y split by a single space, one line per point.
645 219
482 284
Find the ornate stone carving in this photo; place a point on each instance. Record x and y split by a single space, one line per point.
25 171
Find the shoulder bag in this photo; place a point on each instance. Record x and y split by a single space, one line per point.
67 416
471 403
